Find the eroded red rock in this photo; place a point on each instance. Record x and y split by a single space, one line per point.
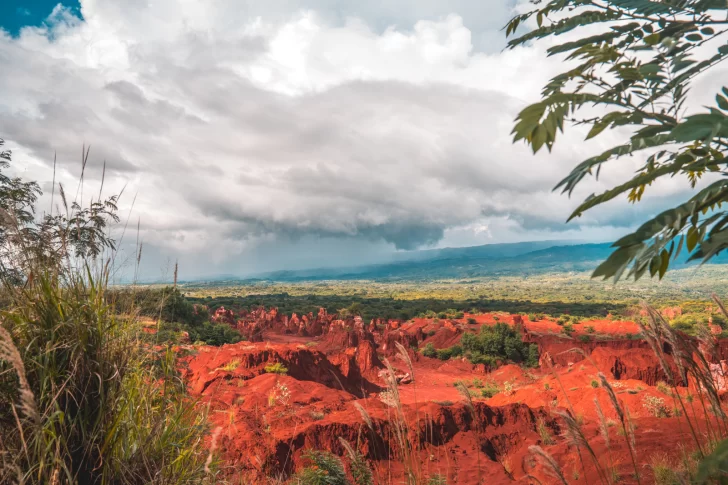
333 388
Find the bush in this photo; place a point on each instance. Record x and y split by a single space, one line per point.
472 321
325 469
213 334
448 353
429 351
276 368
490 389
499 342
656 406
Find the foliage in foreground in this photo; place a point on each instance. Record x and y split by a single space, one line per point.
633 66
82 401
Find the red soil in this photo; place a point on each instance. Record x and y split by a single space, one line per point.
267 421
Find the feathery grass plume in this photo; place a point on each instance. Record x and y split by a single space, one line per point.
403 355
719 302
465 392
555 375
364 415
552 468
603 428
9 353
630 428
620 413
653 335
213 447
360 470
575 437
690 362
612 396
401 428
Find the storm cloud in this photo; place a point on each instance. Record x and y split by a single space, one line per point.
298 127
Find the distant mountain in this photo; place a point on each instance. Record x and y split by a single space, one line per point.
488 260
518 259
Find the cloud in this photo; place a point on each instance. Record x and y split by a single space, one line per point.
235 126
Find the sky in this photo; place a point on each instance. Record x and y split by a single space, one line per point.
253 136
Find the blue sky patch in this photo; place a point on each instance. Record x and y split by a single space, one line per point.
16 14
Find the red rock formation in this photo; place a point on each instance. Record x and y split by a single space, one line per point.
636 363
222 315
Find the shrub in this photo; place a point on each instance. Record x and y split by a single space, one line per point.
498 342
444 403
447 353
276 368
489 390
317 415
584 338
325 469
568 328
213 334
444 354
594 383
665 473
544 432
472 321
429 351
664 388
656 406
437 480
231 366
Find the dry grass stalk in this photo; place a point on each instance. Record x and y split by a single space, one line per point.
549 462
364 415
9 353
621 414
401 428
603 428
465 392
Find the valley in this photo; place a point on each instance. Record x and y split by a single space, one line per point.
420 405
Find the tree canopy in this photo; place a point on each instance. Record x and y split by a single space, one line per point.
635 61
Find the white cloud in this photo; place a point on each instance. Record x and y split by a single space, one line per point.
240 127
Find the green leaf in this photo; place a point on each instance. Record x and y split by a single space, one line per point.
652 39
694 37
692 239
596 129
714 465
722 102
664 262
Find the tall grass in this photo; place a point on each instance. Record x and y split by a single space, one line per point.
95 406
82 399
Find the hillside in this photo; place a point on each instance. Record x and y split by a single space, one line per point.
518 259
